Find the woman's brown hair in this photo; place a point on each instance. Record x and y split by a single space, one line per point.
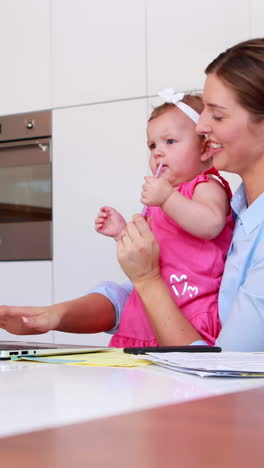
241 67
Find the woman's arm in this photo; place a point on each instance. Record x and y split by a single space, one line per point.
98 311
87 314
138 255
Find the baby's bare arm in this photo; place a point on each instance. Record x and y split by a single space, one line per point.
205 214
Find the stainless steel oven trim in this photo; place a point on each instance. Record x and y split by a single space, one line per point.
17 144
25 126
31 153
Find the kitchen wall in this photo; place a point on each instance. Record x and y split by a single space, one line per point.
98 64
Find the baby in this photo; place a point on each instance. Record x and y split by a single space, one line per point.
189 211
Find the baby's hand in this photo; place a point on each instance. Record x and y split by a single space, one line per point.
155 191
109 222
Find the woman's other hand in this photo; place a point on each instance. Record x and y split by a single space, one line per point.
138 251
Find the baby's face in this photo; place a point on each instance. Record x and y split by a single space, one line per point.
173 141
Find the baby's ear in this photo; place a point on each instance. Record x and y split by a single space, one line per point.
206 151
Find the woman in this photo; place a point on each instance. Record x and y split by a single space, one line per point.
233 119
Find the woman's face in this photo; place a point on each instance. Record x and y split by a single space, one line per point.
236 141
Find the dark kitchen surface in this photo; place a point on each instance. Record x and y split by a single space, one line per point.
21 213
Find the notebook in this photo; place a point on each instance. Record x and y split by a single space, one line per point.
24 348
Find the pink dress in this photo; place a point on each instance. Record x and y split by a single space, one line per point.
192 269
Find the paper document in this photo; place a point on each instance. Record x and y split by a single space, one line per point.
111 357
225 364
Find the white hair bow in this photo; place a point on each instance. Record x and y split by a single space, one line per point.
171 97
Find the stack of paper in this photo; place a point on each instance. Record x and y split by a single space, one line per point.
225 364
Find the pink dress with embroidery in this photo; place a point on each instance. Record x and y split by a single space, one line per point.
192 269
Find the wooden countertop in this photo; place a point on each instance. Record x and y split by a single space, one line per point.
225 431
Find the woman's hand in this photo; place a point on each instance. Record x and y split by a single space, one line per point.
29 320
138 255
138 251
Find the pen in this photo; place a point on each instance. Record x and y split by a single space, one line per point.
174 349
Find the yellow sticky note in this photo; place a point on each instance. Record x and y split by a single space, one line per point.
112 358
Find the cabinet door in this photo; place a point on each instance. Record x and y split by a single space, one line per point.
25 55
183 37
26 284
257 18
99 158
98 50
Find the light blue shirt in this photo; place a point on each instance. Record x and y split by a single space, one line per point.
241 295
117 294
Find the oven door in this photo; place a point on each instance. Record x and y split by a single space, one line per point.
26 200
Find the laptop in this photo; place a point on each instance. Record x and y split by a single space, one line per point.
24 348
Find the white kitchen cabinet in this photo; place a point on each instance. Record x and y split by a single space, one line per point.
29 284
98 51
257 18
25 55
183 37
99 158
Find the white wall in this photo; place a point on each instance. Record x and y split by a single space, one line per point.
97 65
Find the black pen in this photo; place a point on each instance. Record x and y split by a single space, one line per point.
174 349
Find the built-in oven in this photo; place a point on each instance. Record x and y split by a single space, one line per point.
26 186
